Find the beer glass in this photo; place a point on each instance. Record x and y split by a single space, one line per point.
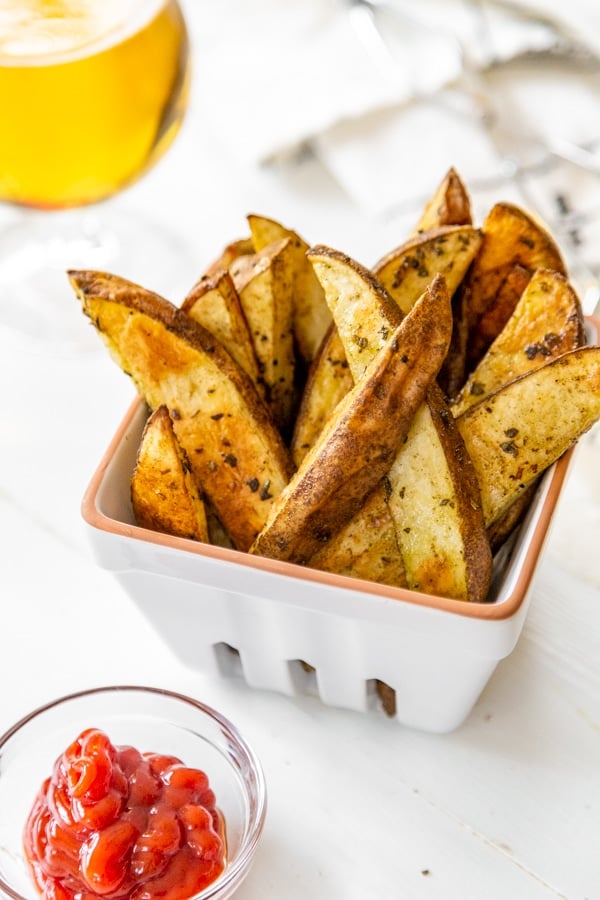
92 93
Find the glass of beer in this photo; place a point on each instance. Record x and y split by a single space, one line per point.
92 92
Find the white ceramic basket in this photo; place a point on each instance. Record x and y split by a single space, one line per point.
225 611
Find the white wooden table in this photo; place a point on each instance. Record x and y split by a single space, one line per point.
508 806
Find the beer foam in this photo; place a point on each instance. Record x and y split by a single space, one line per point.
39 32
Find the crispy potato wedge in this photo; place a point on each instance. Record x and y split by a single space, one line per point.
359 441
237 456
514 245
264 282
232 252
164 495
215 304
366 547
546 322
452 376
329 379
363 311
438 523
407 270
449 205
434 498
516 433
431 487
311 314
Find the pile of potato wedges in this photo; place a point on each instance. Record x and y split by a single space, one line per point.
387 423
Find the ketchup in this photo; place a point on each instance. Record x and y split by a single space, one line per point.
116 823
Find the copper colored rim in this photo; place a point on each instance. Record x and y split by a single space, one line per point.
490 611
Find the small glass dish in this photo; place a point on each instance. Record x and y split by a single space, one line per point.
152 720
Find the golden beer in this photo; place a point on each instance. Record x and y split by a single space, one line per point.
91 93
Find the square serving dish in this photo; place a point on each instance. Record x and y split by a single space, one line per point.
227 612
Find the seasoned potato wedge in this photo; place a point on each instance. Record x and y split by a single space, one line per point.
431 487
546 322
329 380
232 252
363 311
514 245
310 313
164 495
355 449
516 433
434 498
236 454
264 282
449 205
407 270
215 304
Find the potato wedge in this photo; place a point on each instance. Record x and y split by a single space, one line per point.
547 321
360 439
434 499
311 315
516 433
363 311
438 522
164 495
264 282
514 245
236 453
407 270
329 379
215 304
449 205
232 252
431 487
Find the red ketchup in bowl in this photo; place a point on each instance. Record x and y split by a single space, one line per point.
116 823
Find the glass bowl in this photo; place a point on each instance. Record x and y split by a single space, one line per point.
152 720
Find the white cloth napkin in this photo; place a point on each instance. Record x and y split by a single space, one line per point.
385 109
275 74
